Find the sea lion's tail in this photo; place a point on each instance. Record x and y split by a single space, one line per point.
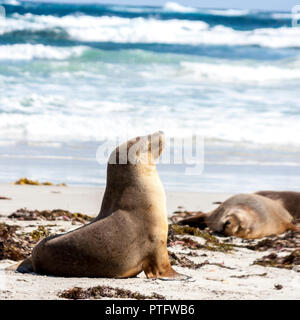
24 266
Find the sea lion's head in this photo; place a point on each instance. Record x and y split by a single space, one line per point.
143 150
234 221
132 178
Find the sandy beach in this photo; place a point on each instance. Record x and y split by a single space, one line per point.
225 275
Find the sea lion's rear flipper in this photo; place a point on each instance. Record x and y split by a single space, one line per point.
23 267
293 227
198 221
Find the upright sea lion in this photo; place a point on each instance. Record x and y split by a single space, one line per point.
289 199
248 216
129 235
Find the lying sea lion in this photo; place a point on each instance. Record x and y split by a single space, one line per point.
248 216
129 235
289 199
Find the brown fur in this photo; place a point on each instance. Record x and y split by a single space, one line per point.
247 216
289 199
130 233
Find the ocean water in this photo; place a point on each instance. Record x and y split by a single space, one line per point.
73 76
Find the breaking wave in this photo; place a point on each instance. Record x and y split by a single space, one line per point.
140 30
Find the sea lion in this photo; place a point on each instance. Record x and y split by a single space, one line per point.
289 199
248 216
130 233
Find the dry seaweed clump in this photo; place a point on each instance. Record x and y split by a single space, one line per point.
186 242
4 198
99 292
40 233
182 261
25 181
211 242
52 215
15 246
290 239
289 261
12 247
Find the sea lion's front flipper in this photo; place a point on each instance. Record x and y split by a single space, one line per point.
168 275
198 221
174 276
24 266
159 267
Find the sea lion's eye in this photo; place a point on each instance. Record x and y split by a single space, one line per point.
227 223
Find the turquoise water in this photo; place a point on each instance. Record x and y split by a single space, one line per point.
72 76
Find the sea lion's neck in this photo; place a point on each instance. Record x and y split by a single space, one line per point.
132 189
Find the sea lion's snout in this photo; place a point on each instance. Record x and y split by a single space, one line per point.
140 150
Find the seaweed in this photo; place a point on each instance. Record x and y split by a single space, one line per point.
184 262
212 243
99 292
273 260
192 254
51 215
278 286
186 242
40 233
25 181
15 246
11 246
4 198
245 276
290 239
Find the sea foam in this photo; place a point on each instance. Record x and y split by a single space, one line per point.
174 6
141 30
38 51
